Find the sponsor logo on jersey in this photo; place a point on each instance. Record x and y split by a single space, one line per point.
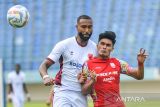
108 73
77 65
108 79
71 53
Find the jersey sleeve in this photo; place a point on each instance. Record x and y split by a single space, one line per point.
57 51
125 67
9 78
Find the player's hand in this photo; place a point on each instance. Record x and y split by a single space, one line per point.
50 98
141 56
28 97
82 77
48 81
79 76
93 75
48 103
9 98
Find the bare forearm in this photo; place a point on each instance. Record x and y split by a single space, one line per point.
47 81
51 94
10 90
43 70
140 73
25 88
137 73
44 67
141 59
87 87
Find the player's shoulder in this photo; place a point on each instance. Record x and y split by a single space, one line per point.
119 61
11 74
66 41
91 42
92 60
92 47
114 59
70 39
22 73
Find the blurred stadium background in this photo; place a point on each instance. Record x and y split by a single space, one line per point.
136 23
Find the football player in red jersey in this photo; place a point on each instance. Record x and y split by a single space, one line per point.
103 73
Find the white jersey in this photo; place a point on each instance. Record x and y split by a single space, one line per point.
17 80
72 57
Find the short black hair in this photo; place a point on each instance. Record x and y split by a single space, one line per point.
109 35
83 17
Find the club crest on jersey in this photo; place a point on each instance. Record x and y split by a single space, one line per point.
113 65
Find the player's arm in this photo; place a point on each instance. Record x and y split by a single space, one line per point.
138 73
43 71
44 67
10 90
53 57
88 85
50 97
86 78
26 91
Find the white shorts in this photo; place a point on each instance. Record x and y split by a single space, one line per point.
69 99
17 102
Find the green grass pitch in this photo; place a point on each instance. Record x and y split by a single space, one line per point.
154 103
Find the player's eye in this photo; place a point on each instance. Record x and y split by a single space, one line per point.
102 43
84 26
90 27
108 45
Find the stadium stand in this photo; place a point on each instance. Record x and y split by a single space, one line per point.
52 21
136 23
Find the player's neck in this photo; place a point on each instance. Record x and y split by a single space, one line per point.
102 57
17 72
81 42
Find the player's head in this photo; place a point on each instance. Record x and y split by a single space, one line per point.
17 68
84 27
106 43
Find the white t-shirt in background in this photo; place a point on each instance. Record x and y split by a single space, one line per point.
17 80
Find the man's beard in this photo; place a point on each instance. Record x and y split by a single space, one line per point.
84 37
103 54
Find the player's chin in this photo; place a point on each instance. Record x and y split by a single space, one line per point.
104 56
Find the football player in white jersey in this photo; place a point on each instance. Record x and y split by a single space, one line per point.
71 54
17 87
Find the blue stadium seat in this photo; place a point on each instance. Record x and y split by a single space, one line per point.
54 20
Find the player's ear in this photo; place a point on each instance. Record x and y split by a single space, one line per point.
112 49
76 26
97 46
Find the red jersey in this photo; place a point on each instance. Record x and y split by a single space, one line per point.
105 91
